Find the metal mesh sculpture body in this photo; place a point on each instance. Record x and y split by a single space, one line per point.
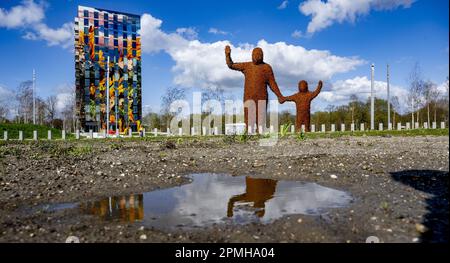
258 75
302 101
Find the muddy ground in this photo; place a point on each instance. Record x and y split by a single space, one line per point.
399 185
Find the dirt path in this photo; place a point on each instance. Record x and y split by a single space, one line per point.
400 186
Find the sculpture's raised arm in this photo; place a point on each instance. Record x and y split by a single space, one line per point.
317 91
230 63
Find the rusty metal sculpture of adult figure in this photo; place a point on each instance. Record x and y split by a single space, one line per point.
302 101
257 76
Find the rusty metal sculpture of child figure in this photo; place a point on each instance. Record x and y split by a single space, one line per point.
302 101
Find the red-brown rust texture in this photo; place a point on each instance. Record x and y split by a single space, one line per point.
302 101
258 75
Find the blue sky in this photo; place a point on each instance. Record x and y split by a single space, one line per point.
398 32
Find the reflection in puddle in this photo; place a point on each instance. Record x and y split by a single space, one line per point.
217 198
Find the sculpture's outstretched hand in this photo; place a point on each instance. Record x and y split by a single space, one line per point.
227 50
282 99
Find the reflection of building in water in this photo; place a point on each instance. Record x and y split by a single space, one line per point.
125 208
257 191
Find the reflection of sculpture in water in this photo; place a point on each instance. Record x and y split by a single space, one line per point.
257 191
302 101
258 75
126 208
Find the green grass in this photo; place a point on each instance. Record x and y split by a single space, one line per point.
418 132
13 131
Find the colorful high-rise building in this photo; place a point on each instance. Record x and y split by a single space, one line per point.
101 34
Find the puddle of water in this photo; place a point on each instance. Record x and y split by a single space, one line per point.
218 198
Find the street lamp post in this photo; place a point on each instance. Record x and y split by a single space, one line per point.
372 99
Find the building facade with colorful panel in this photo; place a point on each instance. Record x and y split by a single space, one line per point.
101 34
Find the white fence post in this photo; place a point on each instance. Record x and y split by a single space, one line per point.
35 135
49 135
442 125
5 135
333 128
293 128
130 132
425 125
180 131
91 134
390 126
417 126
361 126
313 128
434 125
380 126
77 134
323 128
342 127
408 126
143 132
204 131
399 126
63 135
155 131
20 135
352 127
216 130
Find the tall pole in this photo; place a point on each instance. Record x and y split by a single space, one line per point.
388 97
34 97
116 102
372 99
107 98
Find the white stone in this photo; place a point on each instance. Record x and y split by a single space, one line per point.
20 135
5 135
35 135
333 176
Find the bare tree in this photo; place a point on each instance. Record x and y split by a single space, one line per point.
24 97
172 94
50 107
416 86
395 107
66 98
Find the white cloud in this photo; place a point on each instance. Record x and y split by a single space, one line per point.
324 14
25 14
189 33
216 31
202 65
29 16
297 34
283 5
62 36
342 90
